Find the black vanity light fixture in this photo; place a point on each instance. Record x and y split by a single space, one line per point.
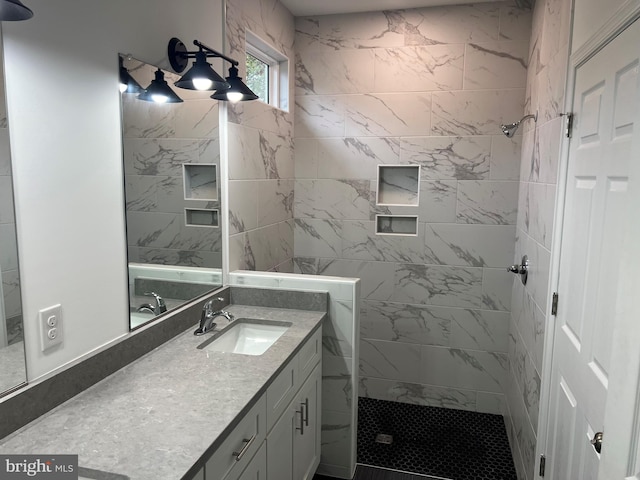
159 91
202 77
128 84
13 11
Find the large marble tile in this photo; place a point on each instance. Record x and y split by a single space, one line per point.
197 119
356 158
419 69
478 112
350 31
332 199
438 285
540 264
277 155
326 71
496 288
495 65
166 256
9 250
544 168
388 114
398 322
487 202
469 245
243 205
275 201
360 242
337 332
146 229
6 200
337 388
147 119
264 117
318 238
377 278
438 201
11 291
527 377
390 360
5 151
140 193
428 395
158 156
551 82
530 322
523 432
493 403
541 210
505 157
306 158
319 116
484 330
452 24
245 159
470 369
448 158
515 23
336 438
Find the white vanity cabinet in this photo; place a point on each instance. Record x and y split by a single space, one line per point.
293 443
287 415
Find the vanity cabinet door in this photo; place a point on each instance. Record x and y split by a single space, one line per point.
280 447
307 426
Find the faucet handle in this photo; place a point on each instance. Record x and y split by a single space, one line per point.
161 307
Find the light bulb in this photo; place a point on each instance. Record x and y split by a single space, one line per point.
202 83
234 97
123 87
159 98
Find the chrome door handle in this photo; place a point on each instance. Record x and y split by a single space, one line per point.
597 442
243 450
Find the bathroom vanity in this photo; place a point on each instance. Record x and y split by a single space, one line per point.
183 412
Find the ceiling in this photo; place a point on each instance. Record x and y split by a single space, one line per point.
326 7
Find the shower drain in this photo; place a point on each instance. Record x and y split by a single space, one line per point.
384 438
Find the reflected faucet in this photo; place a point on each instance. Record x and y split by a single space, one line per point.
160 306
208 315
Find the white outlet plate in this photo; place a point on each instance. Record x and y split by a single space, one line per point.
50 327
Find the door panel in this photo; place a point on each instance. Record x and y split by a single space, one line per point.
595 216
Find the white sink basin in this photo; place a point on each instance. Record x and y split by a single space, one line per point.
246 337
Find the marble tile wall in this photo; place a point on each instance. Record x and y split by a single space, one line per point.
426 87
340 334
158 139
546 77
9 274
260 139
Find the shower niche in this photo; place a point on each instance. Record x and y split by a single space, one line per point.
398 186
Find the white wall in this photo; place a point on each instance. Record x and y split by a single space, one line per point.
64 106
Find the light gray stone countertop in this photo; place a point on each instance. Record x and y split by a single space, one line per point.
156 417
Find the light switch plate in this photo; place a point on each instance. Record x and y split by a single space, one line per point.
50 327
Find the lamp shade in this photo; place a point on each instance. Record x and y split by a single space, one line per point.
14 10
159 91
201 76
128 84
238 91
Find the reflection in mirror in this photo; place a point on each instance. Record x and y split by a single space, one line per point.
171 157
12 362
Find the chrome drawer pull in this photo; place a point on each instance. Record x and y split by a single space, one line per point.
247 444
301 412
306 412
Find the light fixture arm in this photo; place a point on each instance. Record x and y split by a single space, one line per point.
179 56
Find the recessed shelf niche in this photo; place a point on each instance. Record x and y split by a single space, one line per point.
200 181
200 217
397 225
398 185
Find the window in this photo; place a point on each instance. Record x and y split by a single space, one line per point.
267 72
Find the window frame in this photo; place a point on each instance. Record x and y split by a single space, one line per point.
278 70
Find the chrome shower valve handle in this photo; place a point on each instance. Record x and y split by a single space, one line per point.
522 269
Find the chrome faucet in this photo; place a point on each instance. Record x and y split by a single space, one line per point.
160 306
208 315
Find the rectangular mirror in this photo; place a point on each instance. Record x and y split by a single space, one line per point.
12 360
171 155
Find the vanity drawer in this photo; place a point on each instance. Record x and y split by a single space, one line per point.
241 444
281 392
310 354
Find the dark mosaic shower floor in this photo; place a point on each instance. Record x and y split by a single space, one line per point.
450 444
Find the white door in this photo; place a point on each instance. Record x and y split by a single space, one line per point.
595 217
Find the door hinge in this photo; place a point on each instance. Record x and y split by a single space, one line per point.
569 124
543 462
554 304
